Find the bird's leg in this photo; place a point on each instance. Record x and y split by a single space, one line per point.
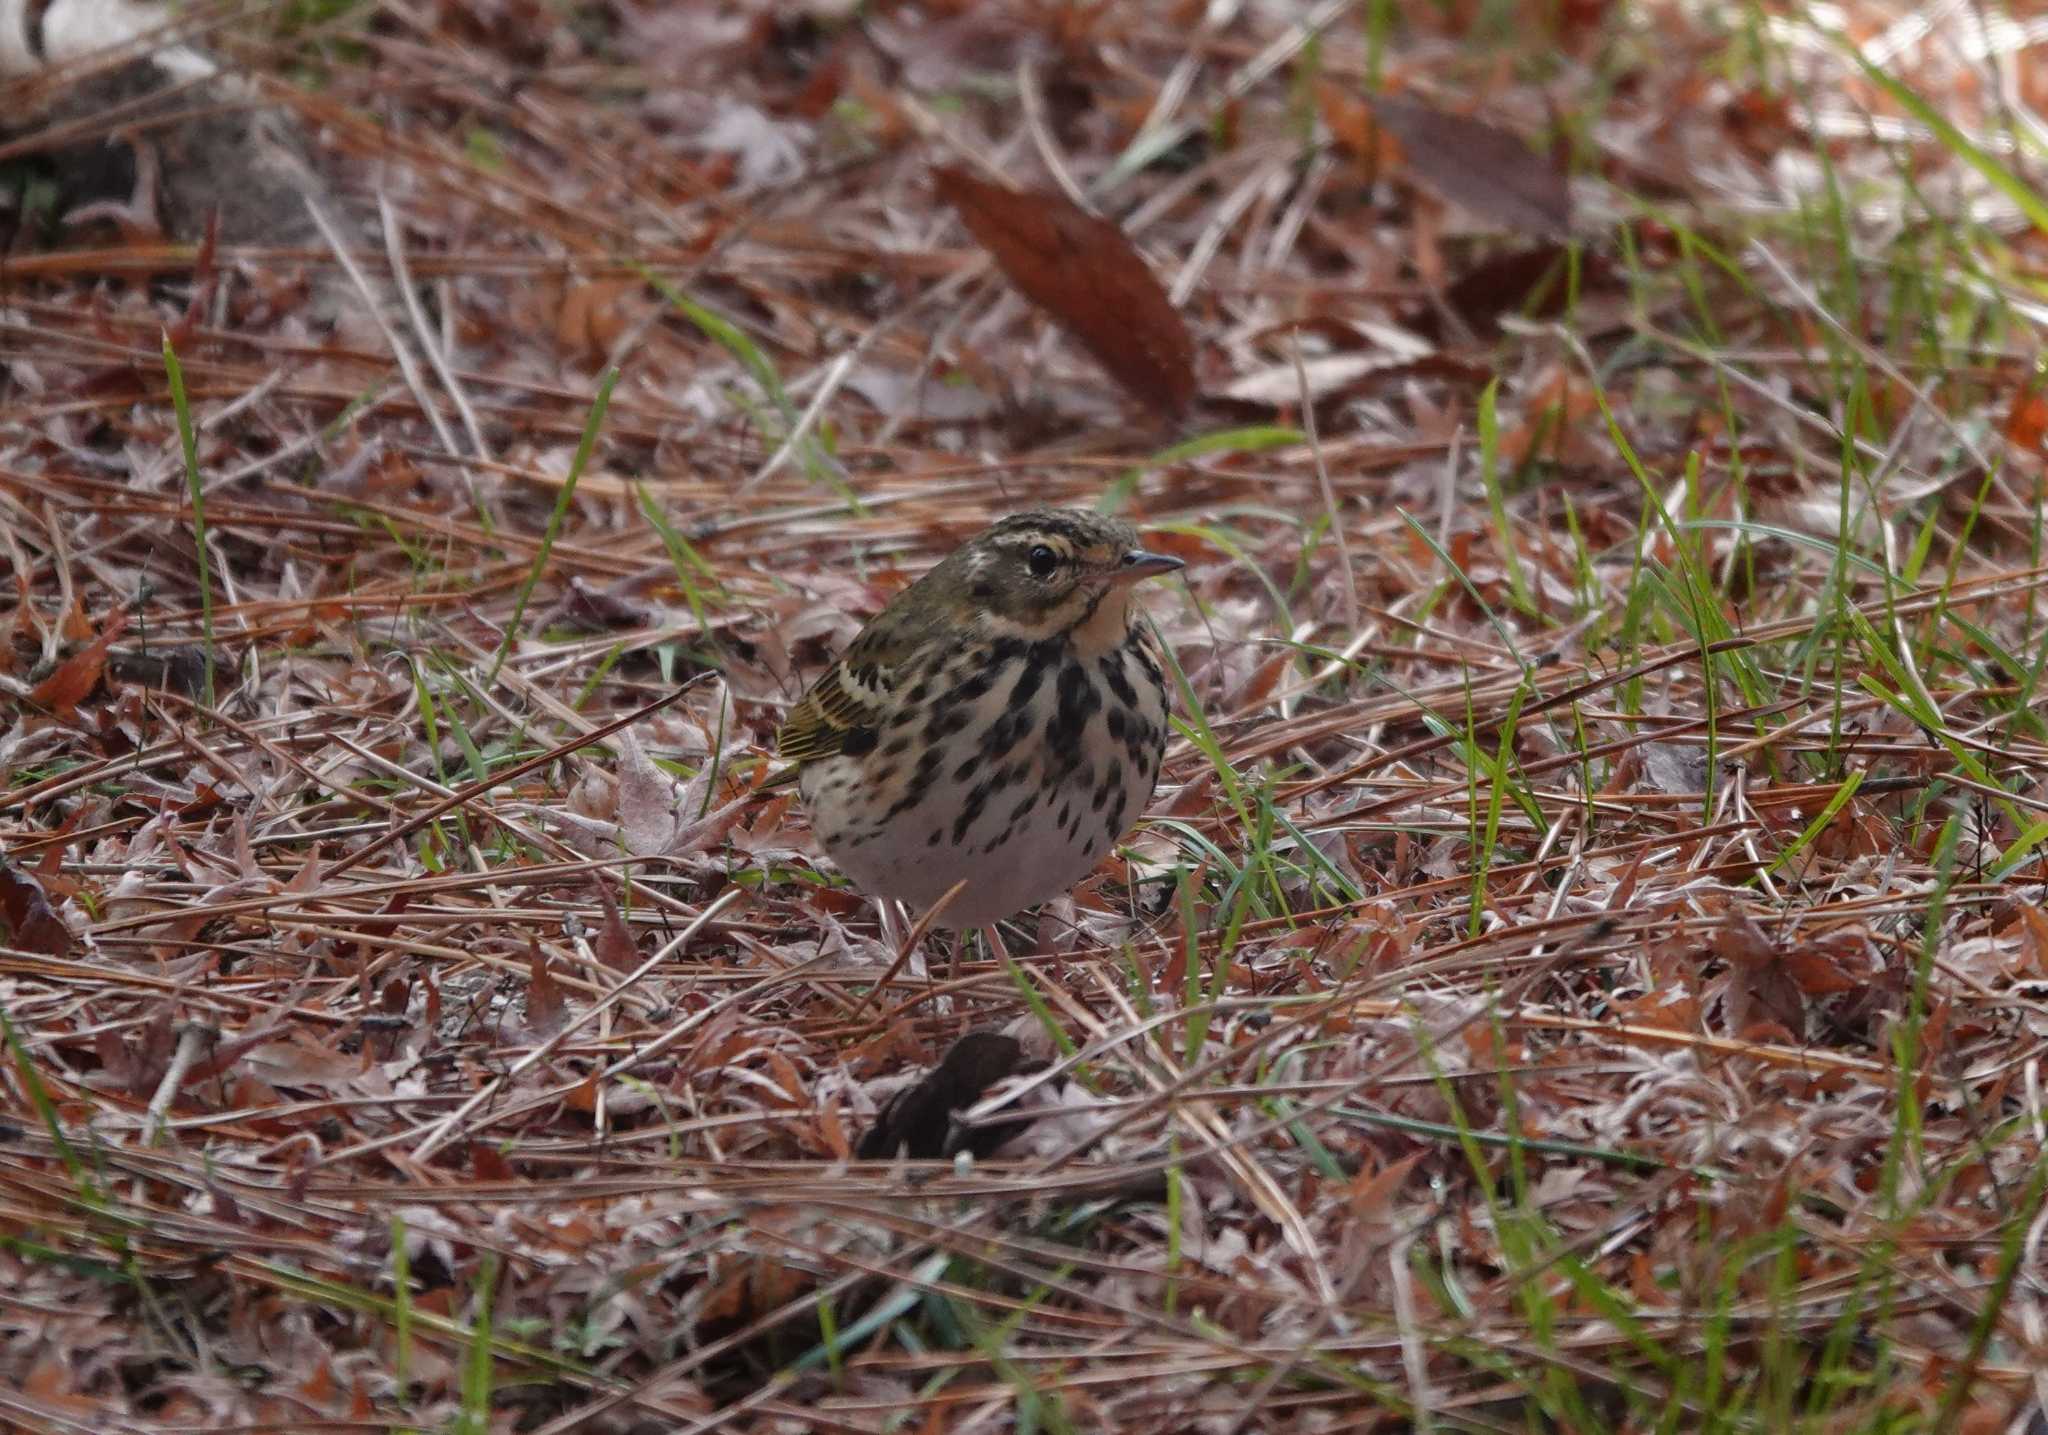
899 935
992 938
992 945
892 924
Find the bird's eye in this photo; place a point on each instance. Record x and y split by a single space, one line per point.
1043 561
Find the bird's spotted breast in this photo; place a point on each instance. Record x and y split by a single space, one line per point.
1031 759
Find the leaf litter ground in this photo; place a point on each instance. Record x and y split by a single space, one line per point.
1583 967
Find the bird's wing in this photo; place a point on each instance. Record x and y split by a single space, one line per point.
843 708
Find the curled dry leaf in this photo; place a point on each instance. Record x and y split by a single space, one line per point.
545 1008
2026 423
648 799
1481 166
1535 282
32 923
1084 273
615 946
1759 982
75 678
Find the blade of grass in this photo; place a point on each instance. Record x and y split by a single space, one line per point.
562 498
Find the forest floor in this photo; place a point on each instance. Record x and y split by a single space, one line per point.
1584 968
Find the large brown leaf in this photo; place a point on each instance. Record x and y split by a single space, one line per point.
1481 166
27 920
1084 273
74 679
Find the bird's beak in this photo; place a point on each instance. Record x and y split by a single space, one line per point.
1138 563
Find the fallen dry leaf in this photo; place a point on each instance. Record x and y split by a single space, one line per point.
615 946
1084 273
1481 166
2026 425
1534 281
1759 980
75 678
545 1009
32 923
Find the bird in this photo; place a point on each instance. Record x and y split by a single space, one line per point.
996 727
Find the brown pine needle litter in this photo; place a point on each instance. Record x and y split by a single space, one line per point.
1584 968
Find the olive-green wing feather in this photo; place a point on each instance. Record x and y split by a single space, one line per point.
839 714
847 706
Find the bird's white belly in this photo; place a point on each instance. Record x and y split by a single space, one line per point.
1037 860
1017 828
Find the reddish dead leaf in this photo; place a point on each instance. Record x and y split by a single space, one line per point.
1936 1034
2027 933
487 1163
225 1206
1767 1032
318 1387
1533 282
1759 981
2026 426
1672 1008
725 1299
593 314
252 1093
49 1380
832 1133
1259 686
205 282
1426 249
32 923
1084 273
1818 972
897 1042
1351 125
1575 23
294 1060
1174 975
79 674
1481 166
1561 413
1370 1195
766 826
784 1073
614 946
821 89
708 829
1992 1417
1759 122
888 123
117 1062
545 1009
583 1096
76 626
1856 830
756 1286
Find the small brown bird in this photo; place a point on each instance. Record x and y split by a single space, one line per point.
1000 723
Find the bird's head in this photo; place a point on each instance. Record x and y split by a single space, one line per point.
1044 574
